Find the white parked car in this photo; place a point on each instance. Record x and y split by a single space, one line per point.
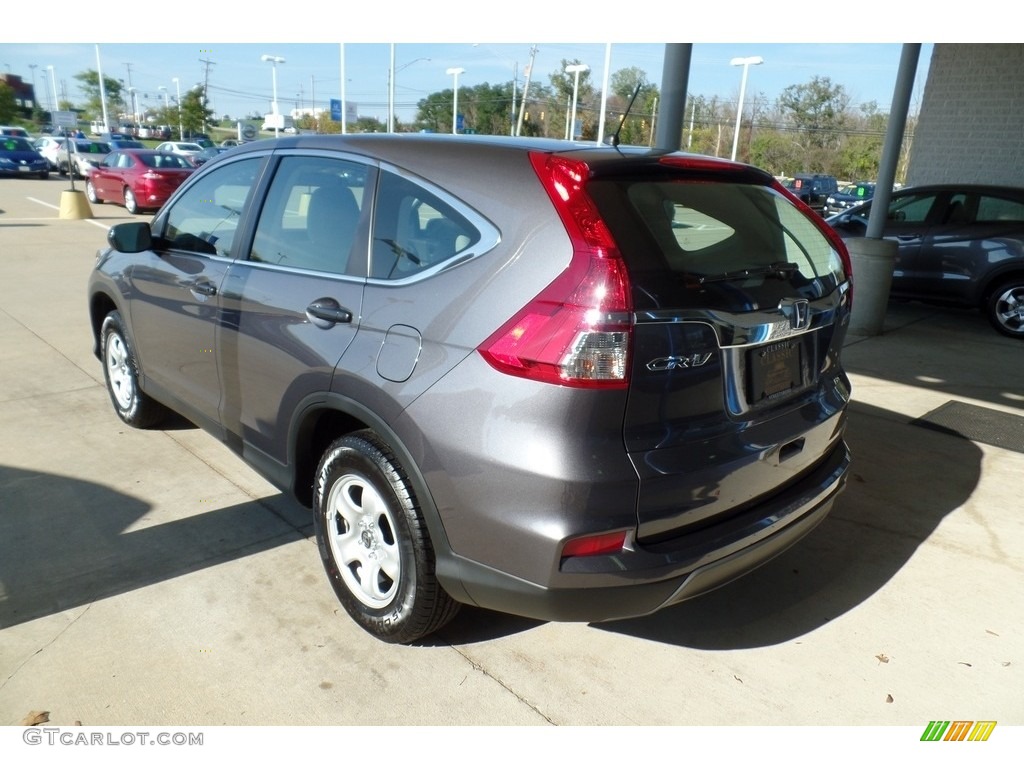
51 147
187 148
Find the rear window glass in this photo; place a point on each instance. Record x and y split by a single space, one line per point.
165 160
999 209
92 147
415 230
680 238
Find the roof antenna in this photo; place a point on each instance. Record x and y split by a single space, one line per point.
614 140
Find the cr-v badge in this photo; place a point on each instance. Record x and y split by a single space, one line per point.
670 363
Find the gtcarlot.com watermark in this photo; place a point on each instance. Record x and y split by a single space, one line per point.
68 737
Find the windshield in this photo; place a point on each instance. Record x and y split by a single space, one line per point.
15 144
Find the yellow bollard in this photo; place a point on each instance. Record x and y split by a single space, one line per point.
74 205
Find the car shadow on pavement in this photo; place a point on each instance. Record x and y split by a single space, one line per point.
940 350
66 542
904 480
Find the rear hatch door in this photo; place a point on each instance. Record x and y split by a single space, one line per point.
740 300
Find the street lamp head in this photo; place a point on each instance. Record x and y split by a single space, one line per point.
575 68
454 71
740 61
274 59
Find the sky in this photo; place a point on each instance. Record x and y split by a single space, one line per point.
239 82
491 42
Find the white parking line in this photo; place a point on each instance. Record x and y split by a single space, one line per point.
42 202
57 208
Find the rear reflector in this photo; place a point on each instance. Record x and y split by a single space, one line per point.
597 544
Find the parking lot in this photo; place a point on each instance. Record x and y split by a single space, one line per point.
151 577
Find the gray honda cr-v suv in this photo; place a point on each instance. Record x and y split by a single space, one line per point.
566 381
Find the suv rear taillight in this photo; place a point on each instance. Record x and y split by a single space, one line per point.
576 332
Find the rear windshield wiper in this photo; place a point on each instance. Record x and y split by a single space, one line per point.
780 269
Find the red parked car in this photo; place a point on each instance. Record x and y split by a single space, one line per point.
138 179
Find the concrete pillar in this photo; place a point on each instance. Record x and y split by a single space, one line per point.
873 261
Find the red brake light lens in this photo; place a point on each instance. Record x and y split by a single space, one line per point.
576 332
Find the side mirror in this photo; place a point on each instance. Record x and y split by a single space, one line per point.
130 237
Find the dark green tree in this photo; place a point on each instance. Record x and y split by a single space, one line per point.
8 104
624 81
538 112
368 125
485 108
587 98
434 112
89 85
194 112
818 110
639 123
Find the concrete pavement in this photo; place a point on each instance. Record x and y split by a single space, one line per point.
150 577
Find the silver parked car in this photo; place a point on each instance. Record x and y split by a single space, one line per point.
84 155
565 381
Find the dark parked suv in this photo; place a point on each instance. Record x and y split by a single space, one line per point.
814 189
571 383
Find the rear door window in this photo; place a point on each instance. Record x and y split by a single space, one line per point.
311 215
999 209
416 229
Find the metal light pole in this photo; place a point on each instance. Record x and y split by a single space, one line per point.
455 72
135 107
745 63
167 101
35 97
574 70
274 61
181 128
391 92
53 85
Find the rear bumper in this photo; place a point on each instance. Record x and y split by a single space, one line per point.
644 579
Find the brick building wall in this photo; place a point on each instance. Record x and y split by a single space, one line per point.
971 122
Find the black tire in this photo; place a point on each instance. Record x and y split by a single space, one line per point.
130 201
1004 307
90 193
121 373
374 542
44 175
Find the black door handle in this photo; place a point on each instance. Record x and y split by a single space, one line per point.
328 310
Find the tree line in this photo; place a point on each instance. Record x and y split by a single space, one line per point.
809 127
